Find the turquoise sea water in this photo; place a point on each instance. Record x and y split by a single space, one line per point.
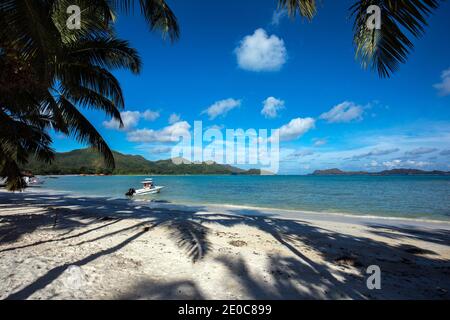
398 196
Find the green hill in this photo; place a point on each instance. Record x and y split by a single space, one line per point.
88 161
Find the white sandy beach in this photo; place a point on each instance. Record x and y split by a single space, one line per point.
61 247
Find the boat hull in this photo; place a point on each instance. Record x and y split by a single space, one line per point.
153 190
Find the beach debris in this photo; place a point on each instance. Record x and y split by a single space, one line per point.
348 261
238 243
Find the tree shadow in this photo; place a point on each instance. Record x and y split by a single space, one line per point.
439 236
164 290
63 238
289 280
339 274
13 227
54 273
191 236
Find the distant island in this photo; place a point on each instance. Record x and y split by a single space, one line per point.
89 162
404 172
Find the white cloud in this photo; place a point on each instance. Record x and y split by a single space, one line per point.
373 163
420 151
296 128
130 119
302 153
260 52
150 115
376 152
277 16
170 133
161 150
407 137
444 86
174 118
221 107
398 163
271 106
319 142
346 111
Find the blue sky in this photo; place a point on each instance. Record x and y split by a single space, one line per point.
235 58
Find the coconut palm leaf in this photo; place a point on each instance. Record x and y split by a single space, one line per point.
50 75
11 171
92 77
379 50
21 136
158 14
385 49
96 18
83 130
306 8
105 52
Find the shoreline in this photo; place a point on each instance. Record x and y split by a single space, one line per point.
319 214
289 212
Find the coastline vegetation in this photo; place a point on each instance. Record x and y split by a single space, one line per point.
89 162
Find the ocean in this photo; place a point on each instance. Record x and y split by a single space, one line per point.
426 197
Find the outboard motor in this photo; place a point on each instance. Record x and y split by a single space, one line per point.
130 192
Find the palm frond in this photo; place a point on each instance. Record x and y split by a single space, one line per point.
84 131
96 18
384 49
49 71
90 99
106 52
306 8
10 170
97 79
157 13
20 138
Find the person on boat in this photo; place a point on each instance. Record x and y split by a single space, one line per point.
148 185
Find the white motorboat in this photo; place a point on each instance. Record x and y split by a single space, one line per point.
33 181
147 188
29 181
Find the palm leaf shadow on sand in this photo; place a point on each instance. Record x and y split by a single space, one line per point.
187 232
190 236
54 273
12 227
398 232
63 238
298 277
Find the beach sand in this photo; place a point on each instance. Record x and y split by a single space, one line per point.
62 247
